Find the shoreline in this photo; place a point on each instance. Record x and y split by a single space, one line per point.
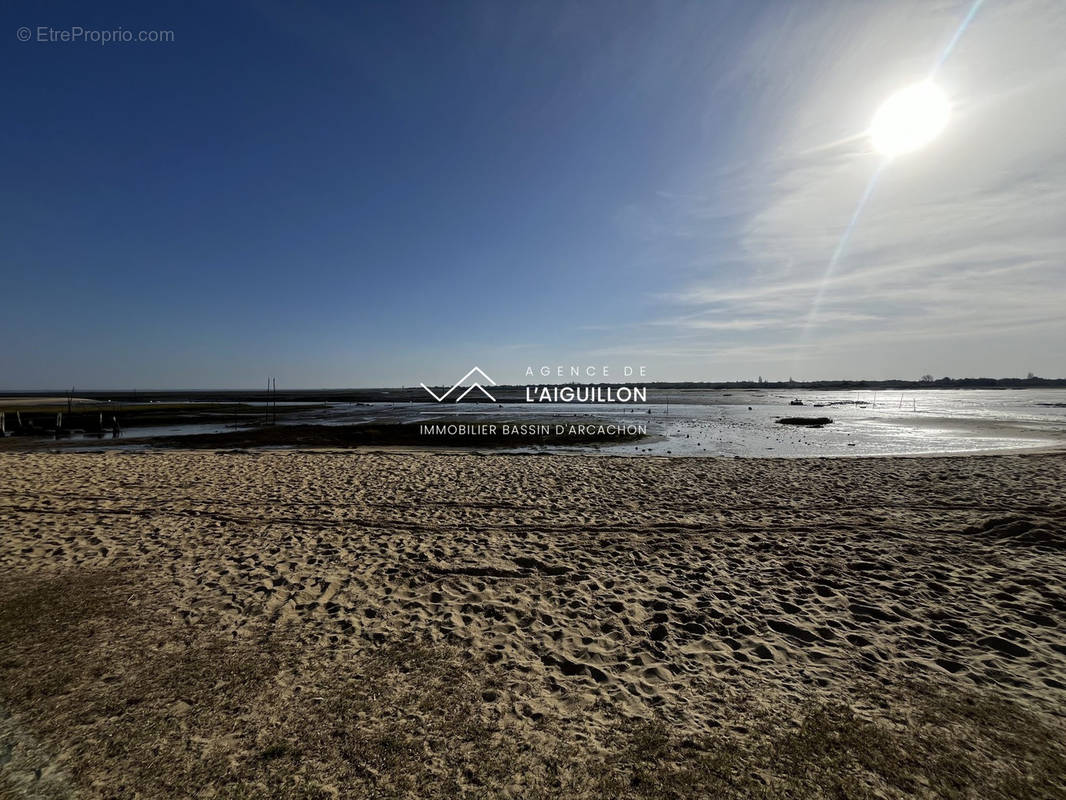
720 424
556 435
598 450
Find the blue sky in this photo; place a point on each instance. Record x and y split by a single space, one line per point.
369 194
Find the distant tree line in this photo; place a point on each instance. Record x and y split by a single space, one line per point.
925 382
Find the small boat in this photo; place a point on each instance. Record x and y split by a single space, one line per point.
796 402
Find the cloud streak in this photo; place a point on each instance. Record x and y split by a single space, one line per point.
962 240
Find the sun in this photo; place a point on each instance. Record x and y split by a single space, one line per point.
910 118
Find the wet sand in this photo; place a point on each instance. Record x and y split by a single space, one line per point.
563 608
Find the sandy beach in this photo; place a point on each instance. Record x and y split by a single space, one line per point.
534 401
330 624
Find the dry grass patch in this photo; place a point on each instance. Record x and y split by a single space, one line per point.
129 703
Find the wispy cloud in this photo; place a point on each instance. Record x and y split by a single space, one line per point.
961 241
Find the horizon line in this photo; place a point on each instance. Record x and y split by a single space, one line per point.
736 381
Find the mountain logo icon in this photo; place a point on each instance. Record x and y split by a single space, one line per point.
477 384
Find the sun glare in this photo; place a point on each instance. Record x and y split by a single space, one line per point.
910 118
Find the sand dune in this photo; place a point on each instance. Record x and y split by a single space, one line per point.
591 590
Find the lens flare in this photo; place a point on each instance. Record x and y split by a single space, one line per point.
909 119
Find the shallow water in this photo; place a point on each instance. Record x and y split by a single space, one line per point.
743 422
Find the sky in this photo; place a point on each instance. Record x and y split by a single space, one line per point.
382 194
